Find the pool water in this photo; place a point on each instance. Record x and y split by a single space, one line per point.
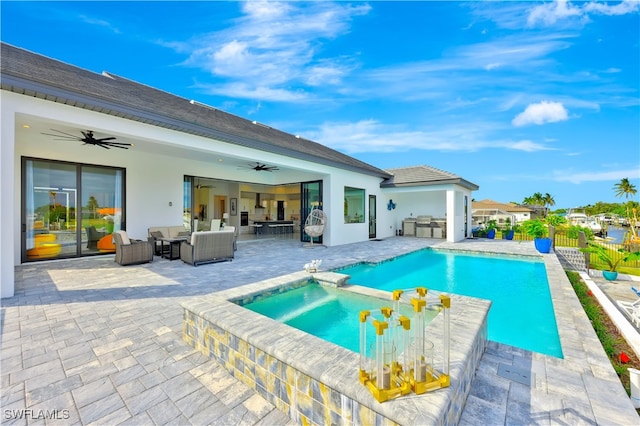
328 313
521 313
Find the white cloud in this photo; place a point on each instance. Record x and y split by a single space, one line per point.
372 136
549 14
622 8
100 23
541 113
242 90
274 48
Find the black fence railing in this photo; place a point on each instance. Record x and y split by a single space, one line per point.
562 238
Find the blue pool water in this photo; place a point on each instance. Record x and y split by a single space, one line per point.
328 313
521 313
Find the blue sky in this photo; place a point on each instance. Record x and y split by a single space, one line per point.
517 97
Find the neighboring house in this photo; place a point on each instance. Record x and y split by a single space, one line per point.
188 163
486 210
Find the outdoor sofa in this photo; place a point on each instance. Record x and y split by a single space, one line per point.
156 232
208 246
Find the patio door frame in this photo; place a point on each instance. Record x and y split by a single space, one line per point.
26 230
373 216
310 197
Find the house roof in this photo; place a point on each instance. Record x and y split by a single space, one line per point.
423 176
35 75
495 205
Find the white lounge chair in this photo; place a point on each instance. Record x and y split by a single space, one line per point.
632 309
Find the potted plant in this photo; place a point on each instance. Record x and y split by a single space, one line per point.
491 229
607 256
538 230
508 232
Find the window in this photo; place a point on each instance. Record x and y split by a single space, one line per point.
353 205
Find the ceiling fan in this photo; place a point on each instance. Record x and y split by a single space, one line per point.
259 167
89 138
200 186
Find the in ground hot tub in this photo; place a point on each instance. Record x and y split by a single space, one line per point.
313 380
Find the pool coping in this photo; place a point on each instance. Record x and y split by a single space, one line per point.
316 381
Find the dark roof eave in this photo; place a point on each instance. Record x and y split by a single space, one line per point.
462 182
67 97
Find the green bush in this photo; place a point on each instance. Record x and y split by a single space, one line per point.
535 228
573 231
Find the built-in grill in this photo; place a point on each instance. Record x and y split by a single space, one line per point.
423 227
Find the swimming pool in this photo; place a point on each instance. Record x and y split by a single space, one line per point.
328 313
521 314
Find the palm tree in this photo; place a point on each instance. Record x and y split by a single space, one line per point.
538 199
626 188
548 200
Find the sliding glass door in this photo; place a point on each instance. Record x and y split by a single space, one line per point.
69 209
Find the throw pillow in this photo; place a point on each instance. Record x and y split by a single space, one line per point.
125 238
184 234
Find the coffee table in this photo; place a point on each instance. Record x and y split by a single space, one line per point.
173 247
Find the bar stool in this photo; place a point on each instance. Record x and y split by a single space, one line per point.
256 229
274 228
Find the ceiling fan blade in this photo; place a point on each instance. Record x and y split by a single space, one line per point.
115 143
114 146
63 138
106 139
61 135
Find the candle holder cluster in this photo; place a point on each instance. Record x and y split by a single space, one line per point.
400 361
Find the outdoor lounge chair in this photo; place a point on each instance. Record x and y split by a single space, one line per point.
93 236
130 251
632 309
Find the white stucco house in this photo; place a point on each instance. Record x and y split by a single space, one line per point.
486 210
66 185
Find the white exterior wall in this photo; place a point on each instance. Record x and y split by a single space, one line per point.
345 233
8 197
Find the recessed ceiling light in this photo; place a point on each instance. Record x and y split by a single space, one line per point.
26 126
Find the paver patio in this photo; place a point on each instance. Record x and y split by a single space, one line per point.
101 344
